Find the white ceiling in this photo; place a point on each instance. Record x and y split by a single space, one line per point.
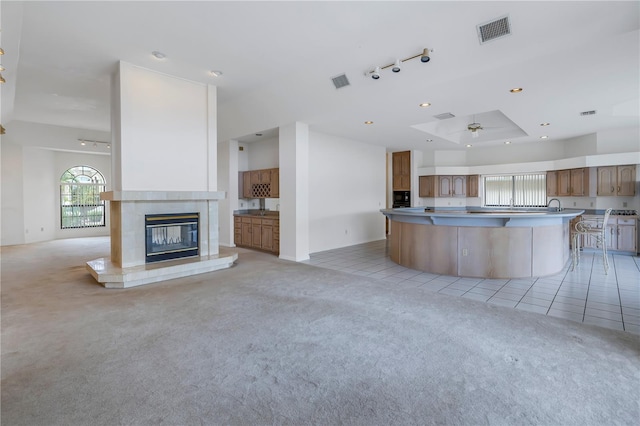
278 59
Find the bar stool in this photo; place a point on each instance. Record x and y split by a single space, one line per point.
598 233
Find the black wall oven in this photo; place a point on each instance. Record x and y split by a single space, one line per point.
401 199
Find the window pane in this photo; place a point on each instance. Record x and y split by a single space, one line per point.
526 190
80 204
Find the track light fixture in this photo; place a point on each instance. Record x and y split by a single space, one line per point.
2 130
84 142
1 51
425 56
2 80
397 67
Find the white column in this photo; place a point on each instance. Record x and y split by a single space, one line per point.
294 192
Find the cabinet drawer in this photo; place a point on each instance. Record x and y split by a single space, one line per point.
246 220
256 221
267 222
626 221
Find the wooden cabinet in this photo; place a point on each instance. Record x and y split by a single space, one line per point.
472 185
448 186
427 186
275 183
452 186
572 182
617 180
626 180
579 182
246 185
263 183
257 232
620 233
402 171
552 183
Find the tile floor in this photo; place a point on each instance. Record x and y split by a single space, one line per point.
585 294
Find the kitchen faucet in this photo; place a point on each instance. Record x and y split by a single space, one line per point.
559 205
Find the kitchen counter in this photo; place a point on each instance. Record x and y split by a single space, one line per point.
487 243
272 214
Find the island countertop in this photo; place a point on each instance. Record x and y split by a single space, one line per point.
503 217
480 242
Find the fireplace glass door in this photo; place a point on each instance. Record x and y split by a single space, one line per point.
171 236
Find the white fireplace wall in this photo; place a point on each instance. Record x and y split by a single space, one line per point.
164 159
164 131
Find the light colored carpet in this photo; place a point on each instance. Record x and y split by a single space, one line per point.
275 342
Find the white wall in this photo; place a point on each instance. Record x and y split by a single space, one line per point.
618 140
164 132
347 184
31 172
263 154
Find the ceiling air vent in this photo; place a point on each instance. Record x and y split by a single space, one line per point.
444 116
494 29
340 81
592 112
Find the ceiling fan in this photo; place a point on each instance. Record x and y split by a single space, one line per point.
474 128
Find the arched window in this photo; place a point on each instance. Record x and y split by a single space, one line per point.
80 203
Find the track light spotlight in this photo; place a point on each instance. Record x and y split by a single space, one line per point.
425 56
2 80
1 51
396 66
375 74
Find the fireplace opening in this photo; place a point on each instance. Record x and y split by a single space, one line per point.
171 236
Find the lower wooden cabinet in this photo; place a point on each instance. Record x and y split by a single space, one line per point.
257 232
620 233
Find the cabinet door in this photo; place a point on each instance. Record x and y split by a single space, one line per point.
246 234
405 163
472 185
267 235
552 183
426 186
265 176
606 181
627 238
275 183
444 186
579 182
237 230
246 185
564 183
256 233
611 236
626 178
459 186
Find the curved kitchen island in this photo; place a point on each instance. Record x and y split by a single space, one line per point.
482 242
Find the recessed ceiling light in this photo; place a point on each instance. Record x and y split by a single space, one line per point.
545 124
507 142
158 55
1 67
516 90
425 104
544 137
469 145
83 143
368 122
215 73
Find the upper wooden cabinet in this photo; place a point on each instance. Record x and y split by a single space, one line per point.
552 183
427 186
472 185
448 186
573 182
263 183
452 186
402 171
617 180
